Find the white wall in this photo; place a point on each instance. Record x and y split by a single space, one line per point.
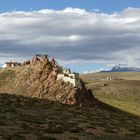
60 76
75 82
4 66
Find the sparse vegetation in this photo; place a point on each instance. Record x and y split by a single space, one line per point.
7 74
33 119
25 118
123 94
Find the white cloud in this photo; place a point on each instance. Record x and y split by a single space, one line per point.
75 34
94 71
95 10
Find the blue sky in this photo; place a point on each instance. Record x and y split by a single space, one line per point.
87 40
103 5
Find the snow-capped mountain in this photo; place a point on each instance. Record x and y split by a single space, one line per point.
123 68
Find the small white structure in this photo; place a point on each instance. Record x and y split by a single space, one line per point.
66 71
107 79
67 76
12 64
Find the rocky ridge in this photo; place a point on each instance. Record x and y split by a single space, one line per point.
38 78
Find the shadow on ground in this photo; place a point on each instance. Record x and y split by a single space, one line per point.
23 118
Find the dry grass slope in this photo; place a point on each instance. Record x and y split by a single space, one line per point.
23 118
123 92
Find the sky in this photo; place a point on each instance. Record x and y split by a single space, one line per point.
84 35
103 5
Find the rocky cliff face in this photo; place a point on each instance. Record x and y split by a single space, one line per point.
38 78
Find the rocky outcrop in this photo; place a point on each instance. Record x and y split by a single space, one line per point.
38 78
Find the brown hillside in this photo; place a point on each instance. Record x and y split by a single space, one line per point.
38 78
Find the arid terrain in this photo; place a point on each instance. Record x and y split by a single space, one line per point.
70 70
38 78
23 118
28 115
122 91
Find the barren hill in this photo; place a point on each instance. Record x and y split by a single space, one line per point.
44 111
38 78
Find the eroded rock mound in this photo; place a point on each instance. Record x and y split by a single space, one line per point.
38 78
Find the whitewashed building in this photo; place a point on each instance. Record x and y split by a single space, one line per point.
67 76
12 64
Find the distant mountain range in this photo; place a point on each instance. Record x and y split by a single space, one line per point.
123 68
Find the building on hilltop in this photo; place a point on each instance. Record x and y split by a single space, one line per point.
67 76
39 57
12 64
66 71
